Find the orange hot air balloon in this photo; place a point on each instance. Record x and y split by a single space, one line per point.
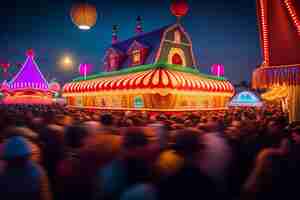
84 15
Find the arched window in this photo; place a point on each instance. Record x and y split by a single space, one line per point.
176 59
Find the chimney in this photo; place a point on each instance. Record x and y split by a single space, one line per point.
114 34
139 28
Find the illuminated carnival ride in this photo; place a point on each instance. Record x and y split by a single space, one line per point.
28 86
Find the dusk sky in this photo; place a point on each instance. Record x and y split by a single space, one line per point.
222 32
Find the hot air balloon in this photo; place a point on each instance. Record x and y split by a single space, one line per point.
179 8
84 15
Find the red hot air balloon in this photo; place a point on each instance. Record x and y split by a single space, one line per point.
179 8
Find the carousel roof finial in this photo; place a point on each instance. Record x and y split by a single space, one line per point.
179 9
139 27
30 53
115 29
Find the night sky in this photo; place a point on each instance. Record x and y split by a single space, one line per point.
222 32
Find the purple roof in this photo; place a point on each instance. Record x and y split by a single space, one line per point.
29 77
149 39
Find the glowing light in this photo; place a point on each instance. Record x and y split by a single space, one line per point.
246 98
67 63
85 69
84 27
84 15
179 8
156 78
217 69
293 14
54 86
138 102
179 56
265 33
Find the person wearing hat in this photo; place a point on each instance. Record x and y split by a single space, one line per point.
22 178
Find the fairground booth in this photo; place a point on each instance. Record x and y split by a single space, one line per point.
279 25
154 70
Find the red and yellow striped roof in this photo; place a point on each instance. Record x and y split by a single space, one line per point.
156 78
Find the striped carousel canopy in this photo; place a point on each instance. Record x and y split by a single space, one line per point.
150 77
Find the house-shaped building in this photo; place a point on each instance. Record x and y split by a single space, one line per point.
150 71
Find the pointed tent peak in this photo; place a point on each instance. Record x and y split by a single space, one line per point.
30 53
29 76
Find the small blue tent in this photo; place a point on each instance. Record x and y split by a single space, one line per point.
245 98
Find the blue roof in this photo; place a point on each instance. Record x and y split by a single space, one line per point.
149 39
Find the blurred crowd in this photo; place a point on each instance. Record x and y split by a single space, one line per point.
55 152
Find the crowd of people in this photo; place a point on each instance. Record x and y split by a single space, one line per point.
55 152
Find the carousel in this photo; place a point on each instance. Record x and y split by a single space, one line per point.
279 74
28 86
154 71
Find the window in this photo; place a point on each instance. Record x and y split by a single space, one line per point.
177 37
176 59
138 102
136 57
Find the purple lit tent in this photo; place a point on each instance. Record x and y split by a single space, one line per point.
28 86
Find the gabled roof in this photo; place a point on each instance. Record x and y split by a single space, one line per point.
29 76
136 44
150 39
